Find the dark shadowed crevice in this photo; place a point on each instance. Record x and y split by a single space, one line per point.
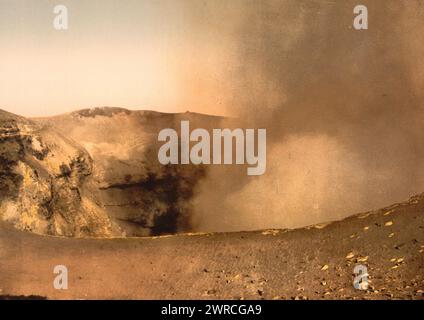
168 192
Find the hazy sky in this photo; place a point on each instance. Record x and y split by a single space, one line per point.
153 54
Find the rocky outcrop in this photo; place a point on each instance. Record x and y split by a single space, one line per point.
94 173
41 177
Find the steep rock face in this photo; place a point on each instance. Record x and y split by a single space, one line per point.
41 177
94 172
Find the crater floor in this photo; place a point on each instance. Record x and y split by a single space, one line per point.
308 263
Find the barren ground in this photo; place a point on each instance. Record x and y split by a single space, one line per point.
308 263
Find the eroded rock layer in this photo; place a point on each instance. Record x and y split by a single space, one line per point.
94 172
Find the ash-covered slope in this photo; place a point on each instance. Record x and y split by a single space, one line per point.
308 263
94 172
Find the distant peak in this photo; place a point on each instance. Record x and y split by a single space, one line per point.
7 116
100 111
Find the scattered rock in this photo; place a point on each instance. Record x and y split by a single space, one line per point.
350 255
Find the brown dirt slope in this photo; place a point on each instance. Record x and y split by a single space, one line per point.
312 263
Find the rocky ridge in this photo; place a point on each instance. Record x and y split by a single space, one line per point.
94 173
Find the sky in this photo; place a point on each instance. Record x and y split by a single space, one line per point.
164 55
